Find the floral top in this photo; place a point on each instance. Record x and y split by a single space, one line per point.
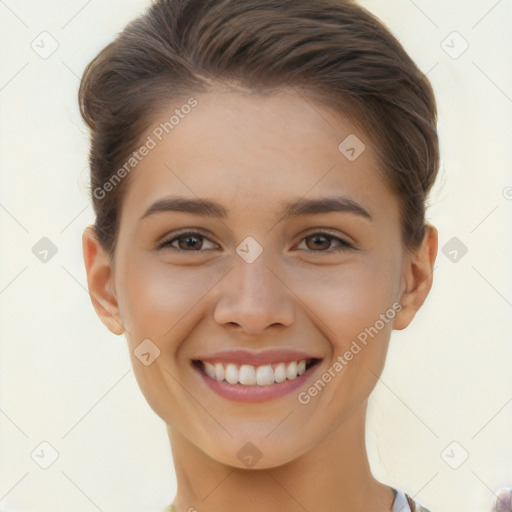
402 503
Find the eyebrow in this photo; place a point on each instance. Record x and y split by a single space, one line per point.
209 208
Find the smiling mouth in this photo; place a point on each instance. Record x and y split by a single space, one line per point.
255 375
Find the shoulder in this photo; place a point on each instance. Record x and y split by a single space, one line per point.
404 503
415 506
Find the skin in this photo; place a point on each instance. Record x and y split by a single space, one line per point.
250 153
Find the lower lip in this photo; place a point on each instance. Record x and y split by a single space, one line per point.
241 393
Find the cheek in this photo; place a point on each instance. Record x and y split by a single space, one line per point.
350 298
156 299
161 303
357 306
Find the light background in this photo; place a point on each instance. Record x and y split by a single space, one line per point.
67 381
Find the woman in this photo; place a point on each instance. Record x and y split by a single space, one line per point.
259 172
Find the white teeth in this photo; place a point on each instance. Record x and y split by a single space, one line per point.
291 371
280 372
264 375
249 375
232 374
209 369
220 373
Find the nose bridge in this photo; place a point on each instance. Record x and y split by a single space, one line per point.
253 296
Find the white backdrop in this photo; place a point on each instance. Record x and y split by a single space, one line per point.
440 420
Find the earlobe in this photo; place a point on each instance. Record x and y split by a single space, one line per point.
100 281
417 278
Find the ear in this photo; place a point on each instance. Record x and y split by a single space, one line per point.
100 281
417 278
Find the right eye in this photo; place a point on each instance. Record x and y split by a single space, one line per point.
189 241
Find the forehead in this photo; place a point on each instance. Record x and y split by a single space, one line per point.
249 150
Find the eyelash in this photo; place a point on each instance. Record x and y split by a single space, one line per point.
344 245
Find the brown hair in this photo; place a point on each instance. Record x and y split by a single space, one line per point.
334 51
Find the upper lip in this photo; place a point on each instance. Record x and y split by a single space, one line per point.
257 358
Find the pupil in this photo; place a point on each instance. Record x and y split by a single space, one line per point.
190 241
317 238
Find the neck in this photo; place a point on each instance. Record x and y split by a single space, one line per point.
334 476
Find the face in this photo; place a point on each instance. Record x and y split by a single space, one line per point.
300 258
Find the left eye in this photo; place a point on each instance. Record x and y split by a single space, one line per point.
194 242
320 240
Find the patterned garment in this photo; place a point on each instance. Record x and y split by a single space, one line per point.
402 503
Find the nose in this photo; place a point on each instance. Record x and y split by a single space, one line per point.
254 297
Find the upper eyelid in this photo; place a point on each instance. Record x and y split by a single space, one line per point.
179 234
